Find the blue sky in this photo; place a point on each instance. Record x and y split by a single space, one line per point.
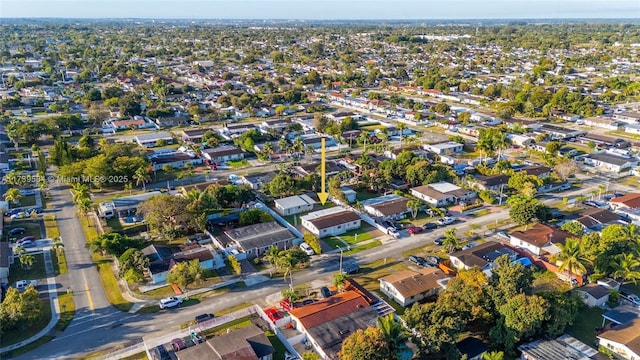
321 9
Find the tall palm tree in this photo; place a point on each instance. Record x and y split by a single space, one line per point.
13 195
80 191
57 245
272 256
627 268
84 205
141 176
339 279
501 142
571 257
298 145
414 206
283 144
393 333
401 128
450 241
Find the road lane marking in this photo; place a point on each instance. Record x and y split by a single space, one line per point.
86 287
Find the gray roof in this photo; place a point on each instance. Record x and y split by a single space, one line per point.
551 350
260 235
133 200
329 335
622 314
595 290
154 136
5 252
610 158
245 343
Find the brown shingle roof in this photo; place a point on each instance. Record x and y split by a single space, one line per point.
395 206
409 282
426 190
627 334
631 201
334 219
539 235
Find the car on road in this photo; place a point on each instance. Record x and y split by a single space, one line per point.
17 231
307 249
430 226
447 220
203 317
439 240
350 268
414 230
170 302
393 232
325 292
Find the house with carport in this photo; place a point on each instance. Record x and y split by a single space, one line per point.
623 340
331 222
386 207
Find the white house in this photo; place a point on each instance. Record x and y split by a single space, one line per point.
386 207
610 162
331 222
445 148
294 205
521 140
154 139
408 286
223 153
177 160
593 294
623 340
442 193
604 123
539 238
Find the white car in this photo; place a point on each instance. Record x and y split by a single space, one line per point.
445 221
635 299
307 249
393 232
170 302
22 284
20 215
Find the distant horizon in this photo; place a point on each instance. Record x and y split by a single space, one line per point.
321 10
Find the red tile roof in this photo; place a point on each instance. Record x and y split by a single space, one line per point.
631 201
329 309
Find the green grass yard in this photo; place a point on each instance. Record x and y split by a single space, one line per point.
36 272
357 249
587 321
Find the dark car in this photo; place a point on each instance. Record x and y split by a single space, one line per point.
308 302
17 231
350 268
325 292
37 210
162 353
420 261
178 344
203 317
439 241
414 230
13 212
430 226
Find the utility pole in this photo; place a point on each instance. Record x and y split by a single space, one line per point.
340 248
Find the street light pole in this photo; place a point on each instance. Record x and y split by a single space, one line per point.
340 248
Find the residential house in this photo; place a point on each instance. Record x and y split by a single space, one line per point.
258 180
408 286
165 122
593 294
349 194
276 125
491 182
386 207
163 259
523 140
481 256
445 148
331 222
127 205
236 130
629 201
294 205
193 135
559 132
245 343
622 340
563 348
128 124
255 240
6 259
610 162
443 194
153 139
627 117
539 239
538 171
326 323
177 160
223 153
595 219
604 123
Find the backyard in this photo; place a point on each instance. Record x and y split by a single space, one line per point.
586 323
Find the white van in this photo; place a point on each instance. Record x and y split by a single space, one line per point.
307 249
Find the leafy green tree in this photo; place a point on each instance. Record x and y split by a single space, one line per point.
562 311
437 326
523 317
133 264
234 264
26 261
393 333
310 356
185 273
167 214
339 280
19 310
368 344
525 184
141 176
522 209
627 267
571 258
281 185
113 244
487 196
13 195
552 147
573 227
254 216
507 279
129 105
313 242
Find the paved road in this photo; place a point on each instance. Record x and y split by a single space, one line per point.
105 328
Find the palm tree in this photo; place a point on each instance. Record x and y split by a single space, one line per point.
339 280
267 150
283 144
401 128
494 355
57 245
84 205
272 256
501 142
414 205
627 268
141 176
450 241
13 195
80 191
298 145
26 261
571 257
393 333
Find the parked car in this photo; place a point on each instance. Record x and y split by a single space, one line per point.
325 292
307 249
163 353
37 210
393 232
430 226
22 284
433 260
12 212
420 261
439 241
469 245
633 298
170 302
178 344
414 230
445 221
20 215
17 231
27 192
203 317
350 268
308 302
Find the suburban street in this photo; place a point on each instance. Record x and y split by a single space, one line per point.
98 326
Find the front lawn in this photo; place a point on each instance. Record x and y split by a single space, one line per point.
50 226
585 325
546 281
36 272
370 273
279 347
31 229
67 310
357 235
15 336
357 249
333 242
28 200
